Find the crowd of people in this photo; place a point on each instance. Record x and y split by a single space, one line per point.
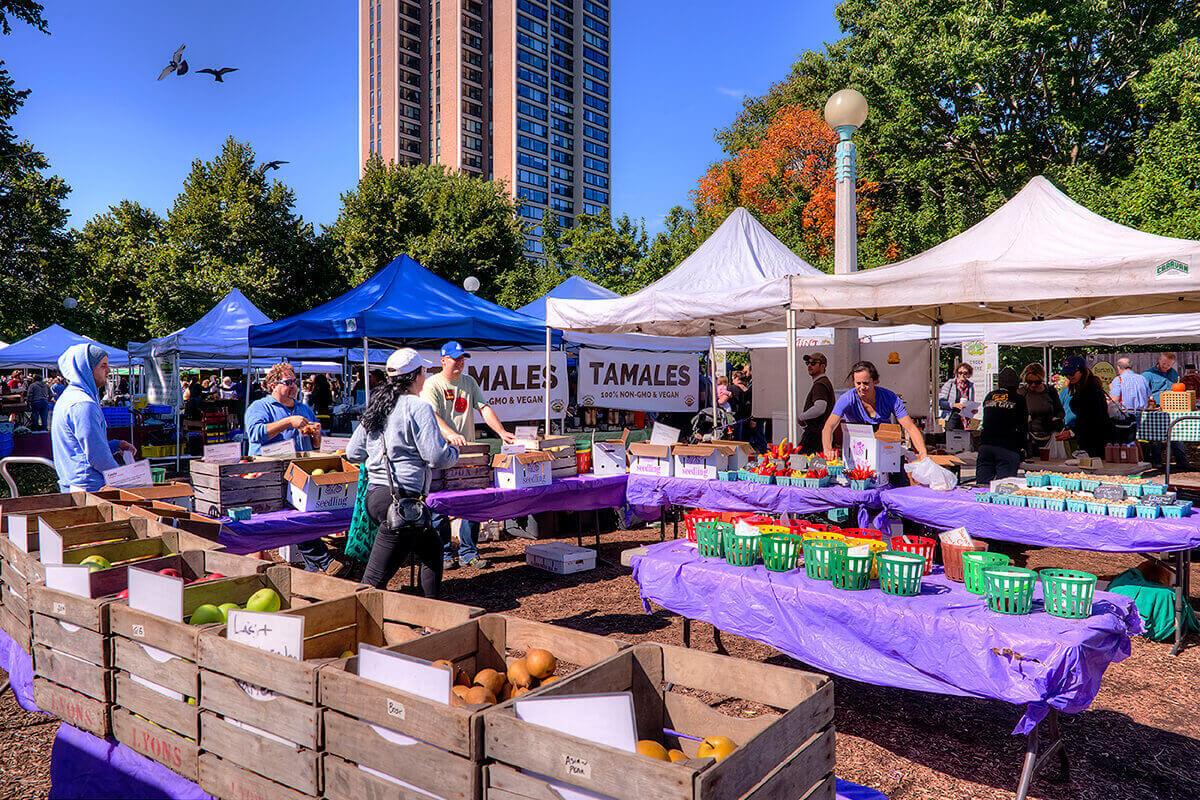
37 393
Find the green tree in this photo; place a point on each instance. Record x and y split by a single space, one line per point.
683 232
231 227
454 224
34 243
113 252
604 250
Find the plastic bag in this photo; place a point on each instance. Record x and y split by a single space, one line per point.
927 473
1058 450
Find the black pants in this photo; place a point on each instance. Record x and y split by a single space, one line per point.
392 547
995 462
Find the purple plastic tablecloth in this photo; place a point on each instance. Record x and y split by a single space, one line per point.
83 767
644 490
578 493
1035 526
280 528
19 666
944 640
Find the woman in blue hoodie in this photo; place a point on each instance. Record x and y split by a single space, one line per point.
78 432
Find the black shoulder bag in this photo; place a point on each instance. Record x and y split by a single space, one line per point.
406 511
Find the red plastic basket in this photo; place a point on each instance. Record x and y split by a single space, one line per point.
732 517
863 533
920 545
699 515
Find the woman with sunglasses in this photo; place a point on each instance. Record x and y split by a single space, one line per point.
399 441
1045 408
956 392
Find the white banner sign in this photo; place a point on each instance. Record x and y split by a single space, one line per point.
638 381
511 381
162 383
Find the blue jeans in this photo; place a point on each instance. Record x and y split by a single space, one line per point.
41 415
467 532
315 554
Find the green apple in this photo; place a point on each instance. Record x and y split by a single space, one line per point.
206 614
94 563
264 600
226 608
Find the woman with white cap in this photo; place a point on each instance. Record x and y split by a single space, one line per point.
399 441
78 432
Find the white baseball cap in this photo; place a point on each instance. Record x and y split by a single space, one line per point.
406 360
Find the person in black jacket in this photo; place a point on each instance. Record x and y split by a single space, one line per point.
1044 406
1089 404
1005 430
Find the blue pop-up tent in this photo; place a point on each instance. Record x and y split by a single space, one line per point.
42 349
403 302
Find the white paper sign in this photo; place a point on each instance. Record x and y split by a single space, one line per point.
50 544
405 673
661 433
638 381
126 457
334 444
135 474
285 448
160 595
512 449
276 633
18 531
69 578
606 719
526 432
225 453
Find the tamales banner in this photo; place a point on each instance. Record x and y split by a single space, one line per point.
638 381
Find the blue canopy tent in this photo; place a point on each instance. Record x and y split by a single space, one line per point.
42 349
403 303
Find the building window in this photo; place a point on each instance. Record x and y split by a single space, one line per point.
536 95
536 162
566 95
536 45
526 74
564 62
536 28
595 133
562 190
559 157
562 174
593 209
562 109
595 180
472 125
597 56
596 25
595 72
472 142
595 102
531 212
594 40
536 145
563 126
536 112
595 149
596 194
562 13
595 8
534 195
558 204
532 9
563 142
560 76
532 178
526 57
592 116
529 126
595 163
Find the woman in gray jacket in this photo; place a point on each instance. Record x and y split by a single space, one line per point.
400 433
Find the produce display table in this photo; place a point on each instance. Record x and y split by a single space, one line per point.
748 496
577 493
944 640
1152 426
1037 465
281 528
83 767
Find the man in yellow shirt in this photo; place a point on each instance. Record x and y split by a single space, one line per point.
455 397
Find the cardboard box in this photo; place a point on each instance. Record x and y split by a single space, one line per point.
336 488
958 441
653 460
609 458
880 449
703 461
546 442
560 558
522 470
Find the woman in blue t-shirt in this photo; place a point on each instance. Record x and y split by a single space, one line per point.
870 404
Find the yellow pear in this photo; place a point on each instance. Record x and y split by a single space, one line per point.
652 749
718 747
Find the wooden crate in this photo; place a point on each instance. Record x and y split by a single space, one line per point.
176 517
34 504
220 487
472 471
565 464
449 758
244 732
780 755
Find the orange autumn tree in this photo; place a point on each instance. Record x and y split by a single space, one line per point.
787 181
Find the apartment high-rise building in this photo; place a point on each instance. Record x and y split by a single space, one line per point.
513 90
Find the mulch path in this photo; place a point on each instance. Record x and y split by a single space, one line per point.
1140 740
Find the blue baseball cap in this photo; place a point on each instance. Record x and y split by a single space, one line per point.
1074 364
454 350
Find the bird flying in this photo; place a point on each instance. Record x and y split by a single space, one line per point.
218 74
178 64
274 165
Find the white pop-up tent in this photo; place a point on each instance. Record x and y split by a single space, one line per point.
1039 256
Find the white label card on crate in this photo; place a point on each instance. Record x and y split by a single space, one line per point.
50 544
135 474
69 578
160 595
605 719
663 434
512 449
225 453
275 633
526 431
18 531
405 673
334 444
283 449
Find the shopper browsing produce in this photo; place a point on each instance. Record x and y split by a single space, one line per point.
1089 403
1005 430
78 432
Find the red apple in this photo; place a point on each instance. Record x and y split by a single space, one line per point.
170 572
210 577
123 594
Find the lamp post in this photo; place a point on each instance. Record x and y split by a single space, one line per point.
471 284
845 112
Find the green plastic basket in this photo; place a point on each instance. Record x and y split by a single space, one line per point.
974 562
1068 593
900 573
1009 589
158 475
710 538
851 572
818 557
742 551
780 551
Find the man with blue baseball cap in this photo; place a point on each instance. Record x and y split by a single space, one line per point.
455 397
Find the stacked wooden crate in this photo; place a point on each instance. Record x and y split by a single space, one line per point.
367 724
473 470
220 487
784 753
562 448
261 726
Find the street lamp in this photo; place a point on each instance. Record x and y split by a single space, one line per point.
845 112
69 303
471 284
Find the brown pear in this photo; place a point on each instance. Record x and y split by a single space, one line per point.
541 663
480 695
518 674
491 680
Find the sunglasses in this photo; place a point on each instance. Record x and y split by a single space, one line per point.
287 382
964 374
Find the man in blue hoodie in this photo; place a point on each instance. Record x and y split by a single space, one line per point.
78 432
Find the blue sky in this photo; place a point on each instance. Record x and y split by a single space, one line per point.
113 132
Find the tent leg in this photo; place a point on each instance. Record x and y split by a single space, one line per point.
712 365
792 426
366 372
546 383
178 422
935 357
246 397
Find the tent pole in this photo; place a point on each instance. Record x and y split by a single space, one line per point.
1047 359
792 426
246 399
712 365
935 357
178 418
546 383
366 373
